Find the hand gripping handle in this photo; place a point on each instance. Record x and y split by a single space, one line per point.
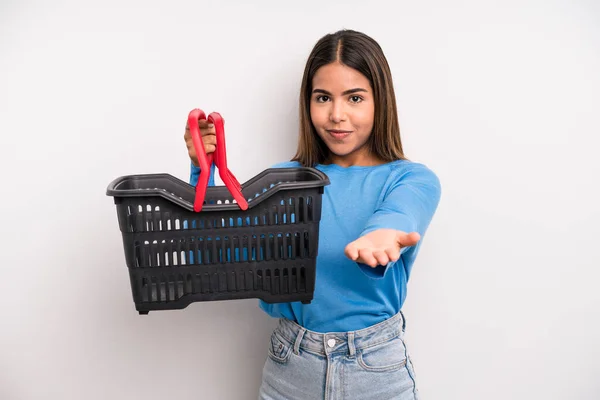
220 159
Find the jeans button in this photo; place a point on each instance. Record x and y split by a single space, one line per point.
331 342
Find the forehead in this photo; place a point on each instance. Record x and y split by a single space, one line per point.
336 77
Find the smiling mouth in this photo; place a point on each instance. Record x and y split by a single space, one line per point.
338 134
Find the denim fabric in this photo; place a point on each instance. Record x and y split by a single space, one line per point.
371 363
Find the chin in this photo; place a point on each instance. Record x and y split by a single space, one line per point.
341 152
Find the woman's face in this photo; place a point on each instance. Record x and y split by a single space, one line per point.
342 110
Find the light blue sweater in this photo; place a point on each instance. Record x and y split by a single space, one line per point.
348 296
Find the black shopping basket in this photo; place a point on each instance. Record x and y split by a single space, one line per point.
184 244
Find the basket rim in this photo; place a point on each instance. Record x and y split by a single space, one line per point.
113 189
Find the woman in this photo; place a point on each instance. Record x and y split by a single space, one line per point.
348 342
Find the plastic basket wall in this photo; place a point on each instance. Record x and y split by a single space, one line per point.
177 256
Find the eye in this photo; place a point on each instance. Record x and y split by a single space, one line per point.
355 99
322 99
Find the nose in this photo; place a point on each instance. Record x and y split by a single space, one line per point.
337 113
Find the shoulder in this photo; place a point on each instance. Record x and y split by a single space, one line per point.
287 164
410 172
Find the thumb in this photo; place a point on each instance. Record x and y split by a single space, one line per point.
408 239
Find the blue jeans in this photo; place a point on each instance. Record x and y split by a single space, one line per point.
370 363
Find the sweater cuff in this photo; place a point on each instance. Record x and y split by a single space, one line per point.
375 273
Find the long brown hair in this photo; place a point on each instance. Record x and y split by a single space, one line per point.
360 52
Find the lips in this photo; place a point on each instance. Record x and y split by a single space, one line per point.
339 134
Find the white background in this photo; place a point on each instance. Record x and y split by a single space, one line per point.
500 98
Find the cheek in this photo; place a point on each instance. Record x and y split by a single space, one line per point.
316 116
365 119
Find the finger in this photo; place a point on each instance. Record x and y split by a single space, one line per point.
408 239
203 123
192 154
381 257
366 257
393 254
209 139
209 148
351 252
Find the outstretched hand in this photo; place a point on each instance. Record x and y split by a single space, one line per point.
380 247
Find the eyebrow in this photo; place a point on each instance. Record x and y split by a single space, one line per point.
349 91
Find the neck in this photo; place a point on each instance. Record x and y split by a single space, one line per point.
353 160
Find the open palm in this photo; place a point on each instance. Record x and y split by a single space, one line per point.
380 247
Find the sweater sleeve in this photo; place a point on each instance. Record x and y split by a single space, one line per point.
408 205
195 175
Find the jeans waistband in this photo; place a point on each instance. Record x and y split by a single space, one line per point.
341 342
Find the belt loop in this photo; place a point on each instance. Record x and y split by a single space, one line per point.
298 340
351 347
403 321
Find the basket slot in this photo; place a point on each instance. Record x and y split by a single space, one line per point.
239 281
166 221
303 212
302 244
238 251
213 282
281 212
285 281
270 248
231 286
255 248
294 246
276 281
139 223
234 252
189 284
201 284
172 253
182 251
289 211
203 254
156 222
302 280
148 226
148 289
293 281
267 281
258 283
140 288
170 286
213 251
180 287
222 281
284 251
164 254
276 247
168 253
246 249
130 220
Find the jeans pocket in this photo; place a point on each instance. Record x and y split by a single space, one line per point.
279 348
386 357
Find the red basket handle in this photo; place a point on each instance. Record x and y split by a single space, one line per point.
220 160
